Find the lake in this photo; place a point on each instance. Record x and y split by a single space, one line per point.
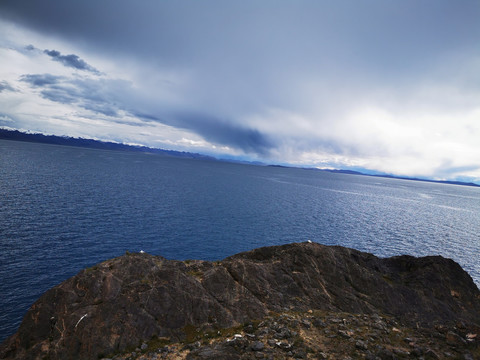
64 208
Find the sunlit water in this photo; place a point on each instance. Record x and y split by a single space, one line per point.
63 209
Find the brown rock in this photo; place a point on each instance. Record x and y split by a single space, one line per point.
127 300
454 339
431 355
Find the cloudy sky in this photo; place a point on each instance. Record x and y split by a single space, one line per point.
391 86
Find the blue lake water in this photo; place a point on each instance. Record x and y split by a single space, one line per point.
64 208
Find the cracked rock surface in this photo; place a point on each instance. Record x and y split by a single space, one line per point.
123 302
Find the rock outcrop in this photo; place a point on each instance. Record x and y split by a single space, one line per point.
122 302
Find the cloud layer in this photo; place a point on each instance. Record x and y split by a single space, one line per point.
391 87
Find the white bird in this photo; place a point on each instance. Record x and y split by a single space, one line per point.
142 252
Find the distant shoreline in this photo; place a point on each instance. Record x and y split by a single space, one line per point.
16 135
450 182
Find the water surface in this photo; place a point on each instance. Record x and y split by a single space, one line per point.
65 208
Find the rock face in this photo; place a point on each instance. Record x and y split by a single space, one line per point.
121 302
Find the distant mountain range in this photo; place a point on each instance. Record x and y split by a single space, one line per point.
351 172
16 135
7 134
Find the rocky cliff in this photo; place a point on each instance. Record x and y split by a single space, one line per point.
123 302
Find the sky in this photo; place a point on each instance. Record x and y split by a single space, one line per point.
387 86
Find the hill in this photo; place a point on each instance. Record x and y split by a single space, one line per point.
16 135
271 302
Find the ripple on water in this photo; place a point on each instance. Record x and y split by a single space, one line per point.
63 209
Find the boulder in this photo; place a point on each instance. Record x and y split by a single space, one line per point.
122 302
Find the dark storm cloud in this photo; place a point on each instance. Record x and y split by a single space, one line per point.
82 92
255 54
372 30
216 130
59 95
41 80
53 88
224 132
100 96
71 60
5 86
101 107
147 117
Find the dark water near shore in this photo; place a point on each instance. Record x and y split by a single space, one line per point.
63 209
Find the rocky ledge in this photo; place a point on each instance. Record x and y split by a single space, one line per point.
275 301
